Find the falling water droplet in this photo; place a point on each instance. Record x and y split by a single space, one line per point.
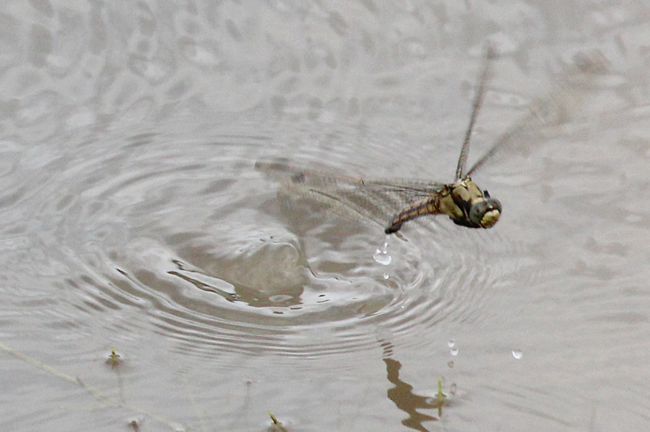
517 354
450 363
451 343
453 388
382 257
386 276
453 351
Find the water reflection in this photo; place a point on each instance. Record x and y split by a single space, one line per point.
403 397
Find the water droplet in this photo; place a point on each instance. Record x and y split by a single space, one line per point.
453 351
382 257
386 276
453 389
450 363
451 343
517 354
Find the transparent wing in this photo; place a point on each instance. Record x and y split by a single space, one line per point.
375 200
556 107
479 96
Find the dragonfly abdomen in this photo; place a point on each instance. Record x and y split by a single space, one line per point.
429 206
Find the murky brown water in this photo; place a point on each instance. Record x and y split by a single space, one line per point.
133 219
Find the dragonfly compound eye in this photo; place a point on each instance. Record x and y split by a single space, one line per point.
485 213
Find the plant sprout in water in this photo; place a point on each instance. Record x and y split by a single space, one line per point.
113 359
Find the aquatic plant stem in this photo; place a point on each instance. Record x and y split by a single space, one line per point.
107 401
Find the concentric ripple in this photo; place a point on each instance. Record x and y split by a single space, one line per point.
189 236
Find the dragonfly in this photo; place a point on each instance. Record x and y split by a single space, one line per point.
393 202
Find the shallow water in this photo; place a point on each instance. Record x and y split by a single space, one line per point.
134 219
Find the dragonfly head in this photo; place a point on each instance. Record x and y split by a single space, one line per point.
486 212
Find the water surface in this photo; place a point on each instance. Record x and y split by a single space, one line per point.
134 219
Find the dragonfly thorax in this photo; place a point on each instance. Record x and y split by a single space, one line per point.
474 208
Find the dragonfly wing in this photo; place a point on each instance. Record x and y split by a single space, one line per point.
479 96
351 203
564 99
376 200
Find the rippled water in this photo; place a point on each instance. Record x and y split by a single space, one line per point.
134 219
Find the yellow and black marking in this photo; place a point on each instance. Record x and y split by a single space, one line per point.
430 206
463 202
